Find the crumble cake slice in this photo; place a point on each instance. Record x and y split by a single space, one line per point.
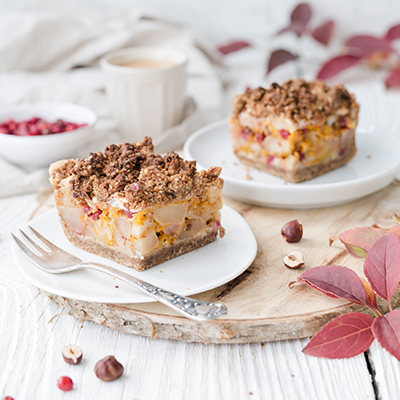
136 207
296 131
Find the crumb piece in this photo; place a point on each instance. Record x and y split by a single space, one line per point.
248 176
116 287
246 168
369 156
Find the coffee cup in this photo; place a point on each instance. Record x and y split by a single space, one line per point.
146 89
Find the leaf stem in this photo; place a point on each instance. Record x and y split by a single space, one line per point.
375 312
390 306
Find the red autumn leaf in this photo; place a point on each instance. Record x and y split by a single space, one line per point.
393 79
336 65
387 331
368 44
233 46
344 337
358 241
279 57
323 33
338 282
393 33
299 19
382 266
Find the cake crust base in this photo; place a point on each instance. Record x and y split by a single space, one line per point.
156 257
304 173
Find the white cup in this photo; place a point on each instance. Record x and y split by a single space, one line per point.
145 100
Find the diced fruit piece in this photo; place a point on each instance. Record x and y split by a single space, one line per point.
173 213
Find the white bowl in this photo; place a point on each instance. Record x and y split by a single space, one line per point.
40 151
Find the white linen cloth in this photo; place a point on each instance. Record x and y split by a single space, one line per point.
40 52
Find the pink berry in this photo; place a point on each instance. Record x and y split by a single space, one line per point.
260 138
284 133
129 213
246 133
96 215
8 398
65 383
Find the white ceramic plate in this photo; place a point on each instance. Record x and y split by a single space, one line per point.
375 165
191 273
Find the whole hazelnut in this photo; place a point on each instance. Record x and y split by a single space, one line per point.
72 354
294 260
292 231
108 369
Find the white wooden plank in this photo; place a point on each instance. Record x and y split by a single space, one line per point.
387 372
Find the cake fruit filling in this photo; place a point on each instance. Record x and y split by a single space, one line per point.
264 138
136 207
141 231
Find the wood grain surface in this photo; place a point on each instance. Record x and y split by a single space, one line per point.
261 306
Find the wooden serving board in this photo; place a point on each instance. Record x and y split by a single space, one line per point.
261 306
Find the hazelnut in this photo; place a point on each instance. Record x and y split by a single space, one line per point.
292 231
72 354
293 260
108 369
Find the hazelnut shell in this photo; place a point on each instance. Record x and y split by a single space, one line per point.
72 354
293 260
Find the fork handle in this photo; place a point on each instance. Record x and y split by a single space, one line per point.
193 309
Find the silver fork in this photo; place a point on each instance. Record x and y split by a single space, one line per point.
54 260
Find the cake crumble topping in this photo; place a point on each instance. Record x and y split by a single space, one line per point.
298 100
133 173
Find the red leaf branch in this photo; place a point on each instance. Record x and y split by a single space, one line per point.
344 337
353 333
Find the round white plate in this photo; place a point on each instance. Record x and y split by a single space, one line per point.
191 273
375 165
